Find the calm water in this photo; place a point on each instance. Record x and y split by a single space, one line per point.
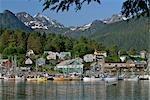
50 90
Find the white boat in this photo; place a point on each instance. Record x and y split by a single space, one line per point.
144 77
132 78
110 79
15 78
36 78
88 79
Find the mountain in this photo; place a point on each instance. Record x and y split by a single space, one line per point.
9 20
40 22
132 34
114 18
85 30
116 30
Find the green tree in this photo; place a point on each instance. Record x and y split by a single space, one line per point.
129 7
9 51
34 43
80 49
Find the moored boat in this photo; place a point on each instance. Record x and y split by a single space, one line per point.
86 79
110 79
132 78
36 78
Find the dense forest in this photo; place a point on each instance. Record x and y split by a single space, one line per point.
18 42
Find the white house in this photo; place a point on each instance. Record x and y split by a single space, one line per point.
143 54
52 55
88 58
29 53
28 61
123 58
104 53
64 55
70 66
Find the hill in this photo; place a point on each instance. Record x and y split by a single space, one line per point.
10 21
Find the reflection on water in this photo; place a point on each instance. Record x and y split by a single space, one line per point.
77 90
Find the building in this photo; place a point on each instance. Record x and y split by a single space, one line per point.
64 55
104 53
40 62
29 53
28 61
70 66
143 54
123 58
119 65
88 58
5 63
51 55
141 64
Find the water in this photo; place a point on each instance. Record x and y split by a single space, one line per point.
51 90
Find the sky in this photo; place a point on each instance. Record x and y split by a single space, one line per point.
86 15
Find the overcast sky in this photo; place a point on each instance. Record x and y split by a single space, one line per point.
87 14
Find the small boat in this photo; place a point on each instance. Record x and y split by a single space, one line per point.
88 79
144 77
41 79
132 78
58 78
36 78
110 79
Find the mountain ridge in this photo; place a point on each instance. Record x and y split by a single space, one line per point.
111 31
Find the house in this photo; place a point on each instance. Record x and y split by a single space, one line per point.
5 63
29 53
28 61
104 53
123 58
143 54
40 62
70 66
88 58
64 55
52 55
119 65
141 64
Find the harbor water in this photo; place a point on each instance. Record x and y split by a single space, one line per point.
74 90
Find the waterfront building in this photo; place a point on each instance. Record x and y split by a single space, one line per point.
5 63
70 66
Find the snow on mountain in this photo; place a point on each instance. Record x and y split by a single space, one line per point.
114 18
86 26
38 21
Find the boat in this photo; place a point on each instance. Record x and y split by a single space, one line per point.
144 77
36 78
87 79
110 79
58 78
132 78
